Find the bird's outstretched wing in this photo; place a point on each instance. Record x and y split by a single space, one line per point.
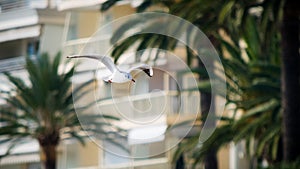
103 59
144 67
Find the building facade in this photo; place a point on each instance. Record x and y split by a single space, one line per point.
27 27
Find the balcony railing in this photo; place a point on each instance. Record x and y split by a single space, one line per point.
71 4
11 64
152 105
87 45
12 5
6 6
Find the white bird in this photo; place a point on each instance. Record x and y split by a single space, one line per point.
117 75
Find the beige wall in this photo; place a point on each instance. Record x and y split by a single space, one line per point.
82 156
87 23
223 157
122 10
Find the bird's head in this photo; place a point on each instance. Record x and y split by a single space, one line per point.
128 76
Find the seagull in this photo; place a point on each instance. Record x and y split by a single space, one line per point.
117 75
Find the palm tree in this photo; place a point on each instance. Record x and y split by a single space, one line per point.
43 108
290 79
253 87
263 45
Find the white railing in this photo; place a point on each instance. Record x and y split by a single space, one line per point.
7 6
71 4
12 5
133 163
152 104
139 163
12 64
87 45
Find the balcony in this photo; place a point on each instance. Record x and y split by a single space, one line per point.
18 14
139 114
12 64
13 5
72 4
86 45
152 108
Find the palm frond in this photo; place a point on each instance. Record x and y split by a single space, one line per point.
45 106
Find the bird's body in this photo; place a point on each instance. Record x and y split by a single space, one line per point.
117 75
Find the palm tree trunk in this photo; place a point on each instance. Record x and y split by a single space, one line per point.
206 99
180 164
49 152
210 161
290 80
48 142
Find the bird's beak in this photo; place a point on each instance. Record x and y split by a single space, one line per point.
133 80
73 56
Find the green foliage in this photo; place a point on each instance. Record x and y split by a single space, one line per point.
253 87
284 165
43 106
246 36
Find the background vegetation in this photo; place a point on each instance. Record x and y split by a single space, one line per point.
258 42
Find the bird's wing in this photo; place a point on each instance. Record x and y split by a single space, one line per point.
144 67
103 59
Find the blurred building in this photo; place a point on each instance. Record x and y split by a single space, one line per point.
89 31
28 27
